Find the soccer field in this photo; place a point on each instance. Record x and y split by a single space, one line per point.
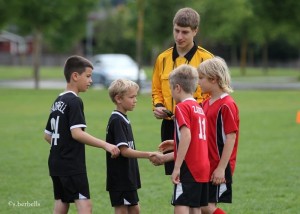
266 180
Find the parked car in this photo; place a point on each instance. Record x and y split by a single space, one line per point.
109 67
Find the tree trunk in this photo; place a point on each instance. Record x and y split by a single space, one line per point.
298 64
37 42
243 64
140 35
251 57
233 55
265 58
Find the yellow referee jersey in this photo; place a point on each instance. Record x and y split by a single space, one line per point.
165 63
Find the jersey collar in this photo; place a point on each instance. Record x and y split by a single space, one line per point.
65 92
188 56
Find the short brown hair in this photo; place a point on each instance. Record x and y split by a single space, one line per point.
187 17
76 64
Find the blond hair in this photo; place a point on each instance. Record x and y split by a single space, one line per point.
186 76
216 69
120 87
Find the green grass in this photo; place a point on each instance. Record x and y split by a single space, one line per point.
252 74
267 177
26 72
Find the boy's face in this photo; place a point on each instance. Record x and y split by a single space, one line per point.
175 92
128 101
205 84
183 36
84 80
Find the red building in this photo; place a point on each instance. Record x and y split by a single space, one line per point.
13 44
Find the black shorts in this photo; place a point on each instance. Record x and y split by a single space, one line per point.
167 133
220 193
190 194
119 198
71 188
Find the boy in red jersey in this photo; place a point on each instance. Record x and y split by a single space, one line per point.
185 51
223 130
191 170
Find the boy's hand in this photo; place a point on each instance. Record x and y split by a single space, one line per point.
159 113
175 177
156 158
167 145
113 150
218 176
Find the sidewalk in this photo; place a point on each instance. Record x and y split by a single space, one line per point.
44 84
237 85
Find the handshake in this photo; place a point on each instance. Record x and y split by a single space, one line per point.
158 158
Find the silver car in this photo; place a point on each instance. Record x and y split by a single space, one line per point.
109 67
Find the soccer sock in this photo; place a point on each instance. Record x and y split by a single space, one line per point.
219 211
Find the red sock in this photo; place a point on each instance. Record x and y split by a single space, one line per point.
219 211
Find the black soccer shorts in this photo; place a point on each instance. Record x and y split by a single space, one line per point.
71 188
220 193
190 194
128 198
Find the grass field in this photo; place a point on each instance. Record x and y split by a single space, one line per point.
25 72
266 181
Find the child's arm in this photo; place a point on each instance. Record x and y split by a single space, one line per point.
158 159
131 153
47 138
83 137
218 176
185 139
167 145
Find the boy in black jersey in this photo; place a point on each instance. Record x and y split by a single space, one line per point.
65 132
123 177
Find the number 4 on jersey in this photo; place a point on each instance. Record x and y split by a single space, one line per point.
55 134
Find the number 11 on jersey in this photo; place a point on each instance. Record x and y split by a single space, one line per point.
202 134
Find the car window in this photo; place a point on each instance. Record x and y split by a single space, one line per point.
118 61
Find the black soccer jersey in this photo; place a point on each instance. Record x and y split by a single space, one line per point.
122 173
67 156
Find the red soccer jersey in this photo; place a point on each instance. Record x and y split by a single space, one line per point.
195 167
222 118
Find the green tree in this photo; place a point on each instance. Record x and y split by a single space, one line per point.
52 20
159 24
227 22
115 32
5 12
120 27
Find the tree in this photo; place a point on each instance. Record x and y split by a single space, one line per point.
5 12
227 22
159 24
55 19
116 30
140 35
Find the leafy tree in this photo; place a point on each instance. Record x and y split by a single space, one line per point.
60 21
277 20
115 32
284 15
5 12
159 24
227 22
